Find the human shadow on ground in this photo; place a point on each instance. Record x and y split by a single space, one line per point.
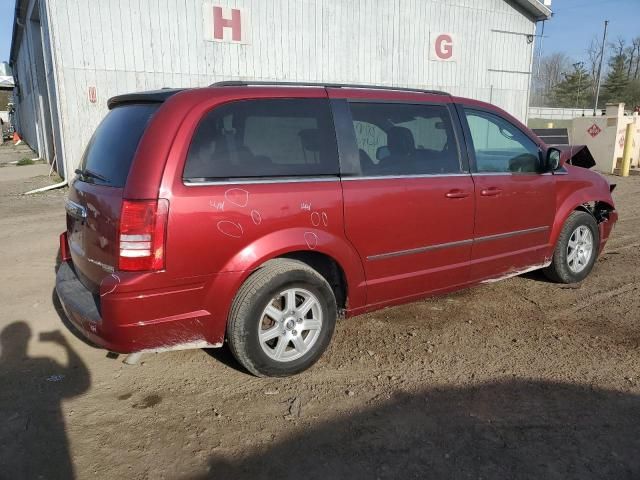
33 441
510 430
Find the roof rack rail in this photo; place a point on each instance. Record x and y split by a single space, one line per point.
247 83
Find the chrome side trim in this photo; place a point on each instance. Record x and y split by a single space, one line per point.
394 177
459 243
240 181
503 174
499 236
75 210
413 251
318 179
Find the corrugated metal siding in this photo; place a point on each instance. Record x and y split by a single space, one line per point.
121 46
36 106
27 117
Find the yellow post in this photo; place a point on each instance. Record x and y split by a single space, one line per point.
626 153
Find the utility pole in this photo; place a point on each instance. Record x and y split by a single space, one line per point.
578 66
604 40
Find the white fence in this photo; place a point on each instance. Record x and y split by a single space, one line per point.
559 113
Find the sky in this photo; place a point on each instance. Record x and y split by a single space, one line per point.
7 8
570 30
576 22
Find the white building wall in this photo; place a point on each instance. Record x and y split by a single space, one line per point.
121 46
37 119
27 121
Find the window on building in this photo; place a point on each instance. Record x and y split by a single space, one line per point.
264 138
499 146
405 139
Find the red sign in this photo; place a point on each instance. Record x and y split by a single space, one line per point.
594 130
92 94
442 47
220 23
224 24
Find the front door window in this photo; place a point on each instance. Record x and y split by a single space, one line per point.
499 146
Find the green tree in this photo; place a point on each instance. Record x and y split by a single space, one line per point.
632 94
615 85
574 90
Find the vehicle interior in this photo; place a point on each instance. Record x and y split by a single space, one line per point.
405 140
254 140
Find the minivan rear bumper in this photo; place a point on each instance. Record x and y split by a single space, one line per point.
128 321
83 308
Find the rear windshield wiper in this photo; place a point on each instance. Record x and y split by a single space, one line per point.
89 174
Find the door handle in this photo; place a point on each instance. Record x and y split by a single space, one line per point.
490 192
456 194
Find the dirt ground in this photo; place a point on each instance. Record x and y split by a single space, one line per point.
517 379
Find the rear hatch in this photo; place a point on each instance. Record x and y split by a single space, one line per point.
95 198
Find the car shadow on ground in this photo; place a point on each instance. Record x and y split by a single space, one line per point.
515 429
33 442
538 276
224 356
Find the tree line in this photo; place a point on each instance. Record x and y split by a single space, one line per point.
560 81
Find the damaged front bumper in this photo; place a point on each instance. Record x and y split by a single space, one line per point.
606 226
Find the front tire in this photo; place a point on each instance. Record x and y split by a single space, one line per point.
282 319
576 249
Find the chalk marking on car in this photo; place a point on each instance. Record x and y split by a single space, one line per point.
230 229
311 239
237 196
117 279
218 205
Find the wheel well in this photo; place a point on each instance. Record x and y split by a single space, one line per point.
328 268
599 210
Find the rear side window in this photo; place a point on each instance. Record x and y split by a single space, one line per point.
110 151
264 138
405 139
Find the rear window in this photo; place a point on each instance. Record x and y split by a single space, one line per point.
264 138
108 156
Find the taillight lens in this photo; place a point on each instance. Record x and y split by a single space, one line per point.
143 226
65 253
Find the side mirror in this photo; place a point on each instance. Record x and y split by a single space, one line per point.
553 159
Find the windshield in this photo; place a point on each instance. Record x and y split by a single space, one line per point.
108 156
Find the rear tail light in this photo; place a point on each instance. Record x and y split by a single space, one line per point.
65 254
143 226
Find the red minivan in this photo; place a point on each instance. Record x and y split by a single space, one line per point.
259 213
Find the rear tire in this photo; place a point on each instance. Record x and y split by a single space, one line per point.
576 249
282 319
